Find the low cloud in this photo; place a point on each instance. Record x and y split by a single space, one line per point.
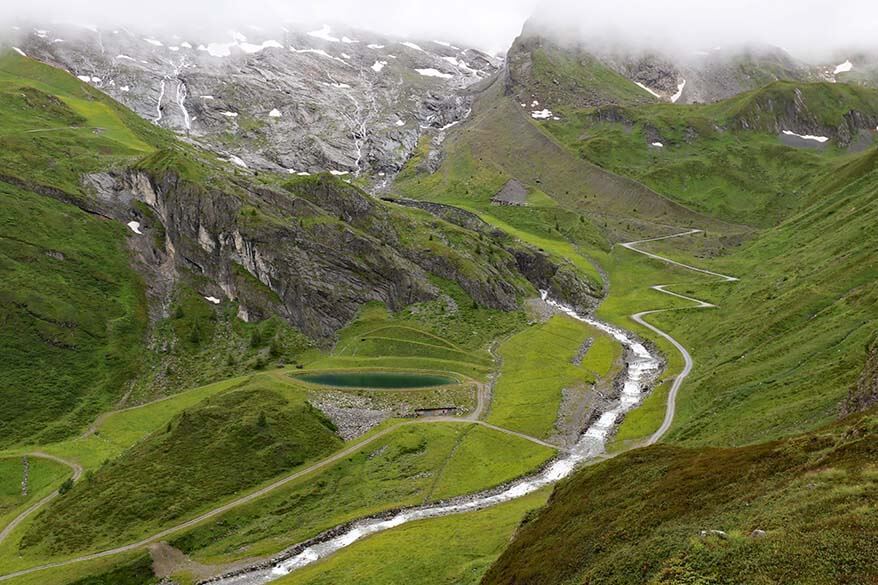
806 28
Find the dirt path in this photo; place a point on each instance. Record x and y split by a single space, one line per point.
671 409
77 473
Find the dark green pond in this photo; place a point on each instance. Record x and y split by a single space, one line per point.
377 379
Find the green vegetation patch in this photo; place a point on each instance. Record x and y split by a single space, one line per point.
452 550
43 475
537 364
415 464
223 445
73 315
667 515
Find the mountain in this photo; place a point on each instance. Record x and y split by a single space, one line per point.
590 73
291 99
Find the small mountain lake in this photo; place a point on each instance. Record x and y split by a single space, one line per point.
377 379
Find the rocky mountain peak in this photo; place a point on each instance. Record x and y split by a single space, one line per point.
293 99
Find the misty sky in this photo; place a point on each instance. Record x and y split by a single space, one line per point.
800 26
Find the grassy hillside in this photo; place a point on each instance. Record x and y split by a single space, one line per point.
44 475
787 341
649 516
538 363
501 142
222 445
723 159
73 314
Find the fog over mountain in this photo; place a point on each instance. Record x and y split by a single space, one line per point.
808 28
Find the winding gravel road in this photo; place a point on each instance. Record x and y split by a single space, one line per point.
671 409
482 398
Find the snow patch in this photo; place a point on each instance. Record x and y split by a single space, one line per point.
135 227
541 114
185 45
349 41
430 72
412 46
345 56
175 49
154 42
657 145
250 48
679 93
304 174
323 33
275 113
217 49
807 136
208 97
122 56
320 52
374 46
213 300
843 67
85 78
230 114
641 86
19 51
338 173
400 123
237 161
125 88
378 66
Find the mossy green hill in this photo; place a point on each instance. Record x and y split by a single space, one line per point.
797 510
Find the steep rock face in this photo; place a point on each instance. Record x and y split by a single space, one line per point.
313 253
289 100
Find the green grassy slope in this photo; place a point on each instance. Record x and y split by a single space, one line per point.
222 445
639 517
73 315
501 142
538 67
44 475
723 159
787 341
